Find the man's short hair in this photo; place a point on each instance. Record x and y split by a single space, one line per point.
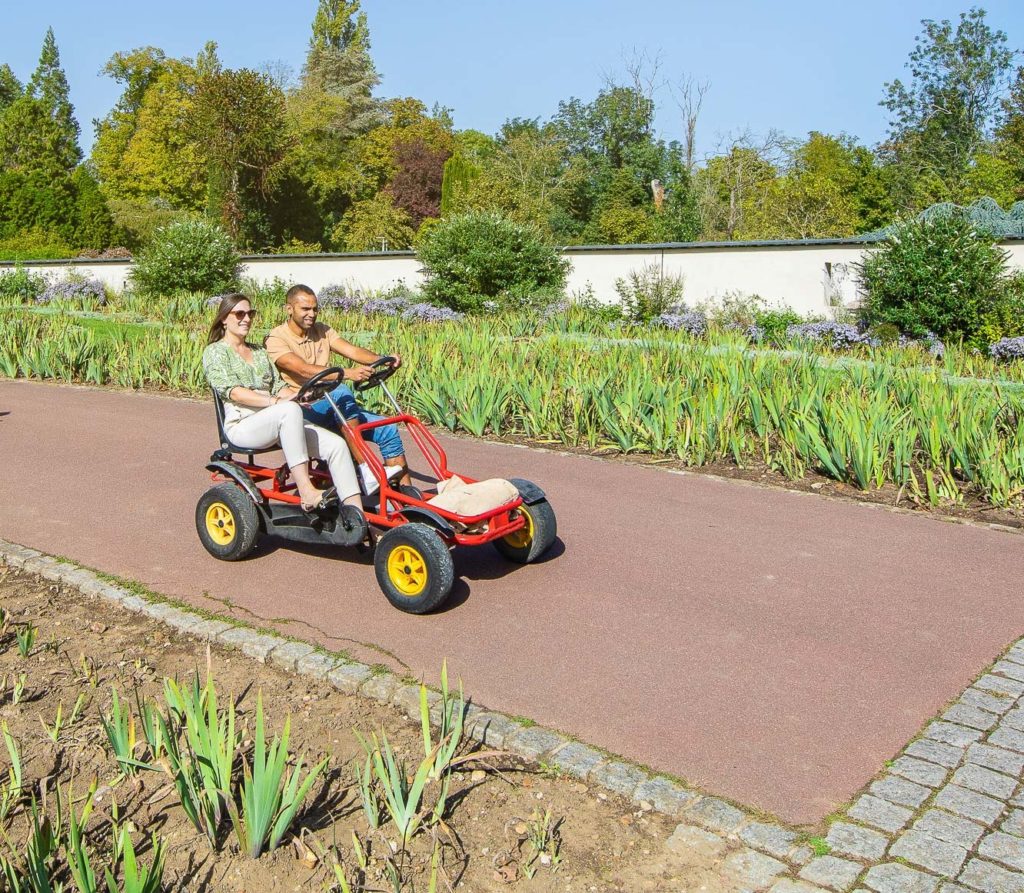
293 293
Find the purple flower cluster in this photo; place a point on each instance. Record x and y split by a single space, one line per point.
386 306
836 335
1008 349
424 312
692 321
90 290
338 297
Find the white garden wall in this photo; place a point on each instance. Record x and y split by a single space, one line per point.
809 277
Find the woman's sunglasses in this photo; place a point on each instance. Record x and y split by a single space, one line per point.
242 314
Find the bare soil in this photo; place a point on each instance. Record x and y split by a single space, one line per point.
85 646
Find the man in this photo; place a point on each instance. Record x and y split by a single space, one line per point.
301 347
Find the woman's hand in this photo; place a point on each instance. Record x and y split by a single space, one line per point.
286 395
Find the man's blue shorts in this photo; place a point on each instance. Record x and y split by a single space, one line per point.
387 438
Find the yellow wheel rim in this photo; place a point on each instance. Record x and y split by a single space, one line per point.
521 538
220 523
407 571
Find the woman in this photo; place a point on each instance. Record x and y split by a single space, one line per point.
260 411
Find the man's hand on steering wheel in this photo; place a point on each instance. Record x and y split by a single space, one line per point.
358 373
380 370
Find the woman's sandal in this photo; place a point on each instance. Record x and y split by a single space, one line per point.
328 500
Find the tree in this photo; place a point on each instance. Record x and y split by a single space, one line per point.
137 70
941 119
163 160
828 187
416 184
239 117
1010 133
728 183
49 86
30 140
522 176
10 87
94 225
331 109
689 98
374 224
145 151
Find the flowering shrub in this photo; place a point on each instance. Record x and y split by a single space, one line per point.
188 256
339 297
386 306
837 335
429 313
691 321
1008 349
84 291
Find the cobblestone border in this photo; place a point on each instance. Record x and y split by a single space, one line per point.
928 820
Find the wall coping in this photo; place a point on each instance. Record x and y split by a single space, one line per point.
567 249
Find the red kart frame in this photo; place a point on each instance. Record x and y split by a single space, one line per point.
496 523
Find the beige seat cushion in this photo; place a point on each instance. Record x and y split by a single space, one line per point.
455 495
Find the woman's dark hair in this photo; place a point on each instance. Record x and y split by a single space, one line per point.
227 304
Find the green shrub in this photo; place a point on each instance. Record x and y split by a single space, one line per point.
34 245
136 222
647 293
938 275
884 333
19 286
1006 318
479 256
188 256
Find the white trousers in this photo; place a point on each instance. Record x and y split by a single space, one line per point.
283 423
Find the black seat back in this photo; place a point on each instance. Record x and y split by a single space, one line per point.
225 442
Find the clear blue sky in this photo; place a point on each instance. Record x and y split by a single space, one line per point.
795 65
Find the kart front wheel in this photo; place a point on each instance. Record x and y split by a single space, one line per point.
414 568
534 538
227 522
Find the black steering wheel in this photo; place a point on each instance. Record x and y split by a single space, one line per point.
385 367
320 384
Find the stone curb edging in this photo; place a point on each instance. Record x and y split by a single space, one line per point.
763 854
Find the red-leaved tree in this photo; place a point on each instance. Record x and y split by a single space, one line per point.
416 184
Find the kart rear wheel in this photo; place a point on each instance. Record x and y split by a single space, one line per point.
414 568
531 541
227 522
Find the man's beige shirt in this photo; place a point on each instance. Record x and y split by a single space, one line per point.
313 348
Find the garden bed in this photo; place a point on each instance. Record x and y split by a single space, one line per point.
84 649
900 425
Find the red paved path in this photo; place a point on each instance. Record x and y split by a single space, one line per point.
771 647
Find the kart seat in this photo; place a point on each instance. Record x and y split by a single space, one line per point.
225 443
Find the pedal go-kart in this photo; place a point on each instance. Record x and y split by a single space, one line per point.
412 555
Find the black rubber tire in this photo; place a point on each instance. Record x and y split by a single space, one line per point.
243 516
437 565
545 528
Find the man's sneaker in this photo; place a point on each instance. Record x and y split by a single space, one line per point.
369 481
